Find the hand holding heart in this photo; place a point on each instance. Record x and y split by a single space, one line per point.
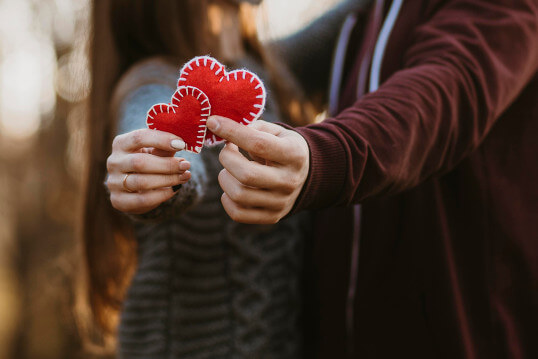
142 170
262 189
205 88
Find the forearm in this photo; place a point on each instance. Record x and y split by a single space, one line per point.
458 77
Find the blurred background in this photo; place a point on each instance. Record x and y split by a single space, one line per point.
44 84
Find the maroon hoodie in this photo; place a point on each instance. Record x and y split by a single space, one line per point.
443 158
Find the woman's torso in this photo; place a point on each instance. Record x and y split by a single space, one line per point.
207 287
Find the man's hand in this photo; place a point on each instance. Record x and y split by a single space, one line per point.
264 188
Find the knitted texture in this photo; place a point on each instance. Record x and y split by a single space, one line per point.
205 286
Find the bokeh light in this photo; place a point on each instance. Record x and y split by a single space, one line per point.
278 18
44 88
26 69
73 77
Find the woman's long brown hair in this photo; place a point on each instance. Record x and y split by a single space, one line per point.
125 32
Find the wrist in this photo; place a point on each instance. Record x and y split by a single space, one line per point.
326 169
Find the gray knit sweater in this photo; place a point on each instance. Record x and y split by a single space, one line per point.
205 286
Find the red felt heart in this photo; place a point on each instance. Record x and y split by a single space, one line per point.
239 95
185 117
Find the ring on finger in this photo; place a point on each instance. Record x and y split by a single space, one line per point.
127 189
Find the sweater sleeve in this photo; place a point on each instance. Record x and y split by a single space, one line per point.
132 116
464 68
308 53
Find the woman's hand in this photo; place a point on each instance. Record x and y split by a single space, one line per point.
142 170
264 189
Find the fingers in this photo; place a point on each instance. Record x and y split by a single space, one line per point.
263 190
137 203
146 163
147 156
256 141
248 215
135 140
137 182
268 127
246 196
251 173
160 153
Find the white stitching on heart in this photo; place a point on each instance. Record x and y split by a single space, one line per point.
181 92
258 107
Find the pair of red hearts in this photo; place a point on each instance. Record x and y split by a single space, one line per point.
205 88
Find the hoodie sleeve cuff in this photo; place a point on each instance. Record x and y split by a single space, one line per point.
327 169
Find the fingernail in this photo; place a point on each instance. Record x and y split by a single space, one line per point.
177 187
178 144
184 165
213 123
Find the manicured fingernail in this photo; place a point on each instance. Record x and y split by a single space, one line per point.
184 165
177 187
213 123
178 144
